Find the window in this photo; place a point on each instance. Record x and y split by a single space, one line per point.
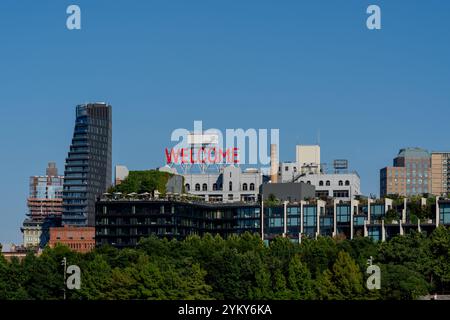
347 183
230 197
204 187
341 183
327 183
308 182
230 186
321 183
342 213
197 187
244 187
188 187
340 194
252 186
286 168
321 193
444 214
215 186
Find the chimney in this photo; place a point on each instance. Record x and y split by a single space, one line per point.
273 163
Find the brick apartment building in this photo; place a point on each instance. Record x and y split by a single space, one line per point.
79 239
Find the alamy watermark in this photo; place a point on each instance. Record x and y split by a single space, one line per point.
374 280
72 276
212 146
73 21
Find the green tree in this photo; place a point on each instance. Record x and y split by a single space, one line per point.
319 255
96 278
280 289
439 248
400 283
44 278
347 277
299 280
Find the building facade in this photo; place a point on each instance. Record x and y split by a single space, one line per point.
79 239
88 170
228 185
45 196
440 173
32 232
343 186
120 174
308 158
123 222
291 191
44 207
410 174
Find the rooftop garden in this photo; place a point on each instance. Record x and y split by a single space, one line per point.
143 181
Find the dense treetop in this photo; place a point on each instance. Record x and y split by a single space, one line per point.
240 267
143 181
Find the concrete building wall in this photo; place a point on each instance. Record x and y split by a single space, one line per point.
307 155
292 192
332 185
229 185
175 184
342 186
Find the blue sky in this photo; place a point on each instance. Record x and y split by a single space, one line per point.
300 66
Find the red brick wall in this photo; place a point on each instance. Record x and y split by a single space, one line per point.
80 239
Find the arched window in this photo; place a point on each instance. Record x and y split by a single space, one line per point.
347 183
327 183
197 187
308 182
244 187
215 186
204 187
341 183
230 185
188 187
252 186
320 183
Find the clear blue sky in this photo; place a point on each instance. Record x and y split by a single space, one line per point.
300 66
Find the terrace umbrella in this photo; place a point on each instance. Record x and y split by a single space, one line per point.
144 195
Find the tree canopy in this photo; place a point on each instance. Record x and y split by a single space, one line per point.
239 267
143 181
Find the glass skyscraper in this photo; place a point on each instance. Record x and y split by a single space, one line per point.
88 170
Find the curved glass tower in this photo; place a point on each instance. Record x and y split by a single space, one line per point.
88 164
